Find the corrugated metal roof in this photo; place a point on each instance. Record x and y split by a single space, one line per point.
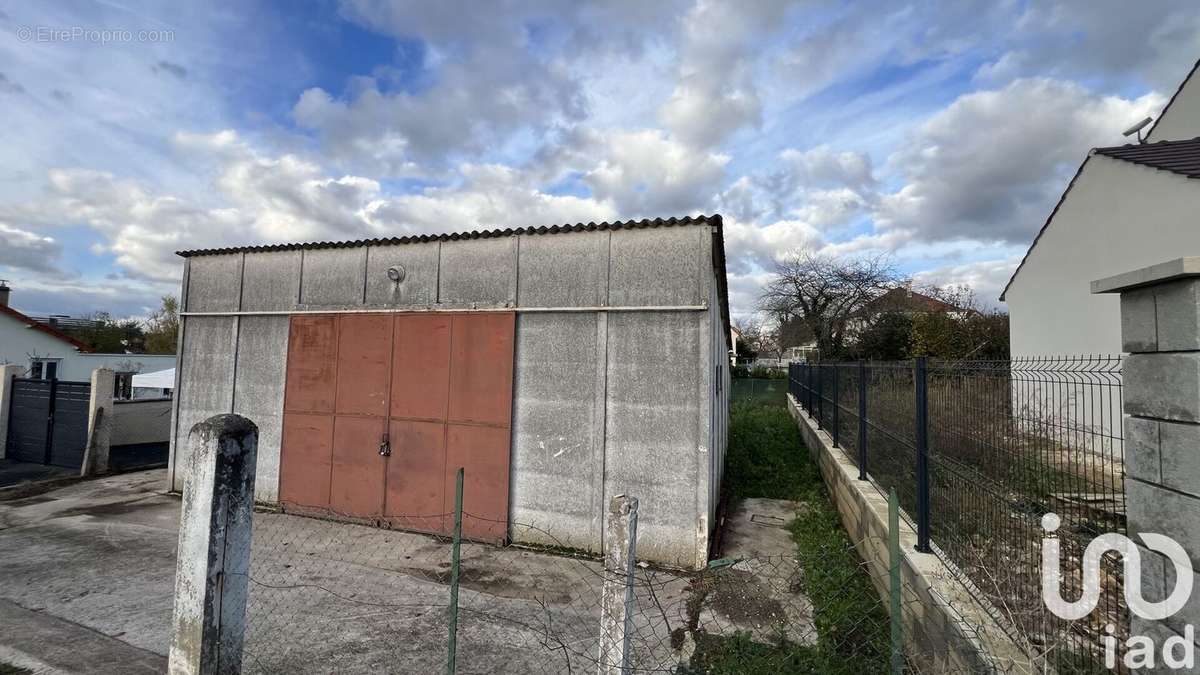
1181 157
476 234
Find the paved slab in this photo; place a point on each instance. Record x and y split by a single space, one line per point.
13 472
48 644
324 596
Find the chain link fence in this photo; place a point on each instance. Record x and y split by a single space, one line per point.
332 593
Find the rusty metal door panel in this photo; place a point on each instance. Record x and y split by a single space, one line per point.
415 498
356 483
311 365
483 452
420 366
364 364
305 459
481 368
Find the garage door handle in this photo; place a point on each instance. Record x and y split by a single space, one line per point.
385 448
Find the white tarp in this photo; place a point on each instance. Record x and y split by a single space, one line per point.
162 379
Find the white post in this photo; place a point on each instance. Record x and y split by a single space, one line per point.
616 599
100 421
7 373
212 567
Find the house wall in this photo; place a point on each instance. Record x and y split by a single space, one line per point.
1181 120
19 343
605 402
1118 217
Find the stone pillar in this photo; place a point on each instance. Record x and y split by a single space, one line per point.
1160 329
213 563
7 373
100 421
616 597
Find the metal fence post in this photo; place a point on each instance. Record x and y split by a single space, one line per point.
836 406
212 569
894 582
455 550
616 597
820 398
922 442
862 421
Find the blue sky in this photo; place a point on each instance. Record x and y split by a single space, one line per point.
939 133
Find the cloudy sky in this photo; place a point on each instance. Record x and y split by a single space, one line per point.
940 132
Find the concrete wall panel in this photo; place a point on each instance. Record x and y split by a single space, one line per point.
556 441
420 263
206 380
214 283
481 271
333 277
143 421
558 271
653 449
658 266
271 281
258 392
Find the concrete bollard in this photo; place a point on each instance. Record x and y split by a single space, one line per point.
100 421
7 372
213 562
616 608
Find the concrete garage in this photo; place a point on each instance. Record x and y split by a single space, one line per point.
558 365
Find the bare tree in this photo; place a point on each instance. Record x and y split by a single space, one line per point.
757 339
823 292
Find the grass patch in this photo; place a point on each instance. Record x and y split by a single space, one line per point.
6 669
766 458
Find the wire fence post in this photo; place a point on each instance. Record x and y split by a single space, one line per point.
820 398
922 442
894 588
862 421
455 550
837 404
616 598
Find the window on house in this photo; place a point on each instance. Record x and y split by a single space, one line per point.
43 369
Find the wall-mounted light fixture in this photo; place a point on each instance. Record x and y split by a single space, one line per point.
396 274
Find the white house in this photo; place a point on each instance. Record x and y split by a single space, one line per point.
1127 207
48 353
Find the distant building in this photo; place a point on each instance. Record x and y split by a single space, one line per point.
47 352
1127 207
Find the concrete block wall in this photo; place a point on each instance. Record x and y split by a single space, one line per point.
1160 328
608 398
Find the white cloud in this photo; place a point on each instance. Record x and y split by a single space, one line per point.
986 277
991 165
27 250
716 93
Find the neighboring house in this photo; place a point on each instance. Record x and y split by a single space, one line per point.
905 300
1127 207
558 366
48 353
734 336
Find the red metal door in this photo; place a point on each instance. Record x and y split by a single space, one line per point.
306 449
420 382
478 423
364 359
437 388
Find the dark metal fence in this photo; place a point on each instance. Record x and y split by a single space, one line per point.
978 452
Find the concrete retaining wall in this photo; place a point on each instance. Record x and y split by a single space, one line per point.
945 627
606 401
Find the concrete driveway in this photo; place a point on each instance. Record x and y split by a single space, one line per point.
90 567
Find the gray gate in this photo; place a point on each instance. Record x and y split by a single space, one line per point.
48 422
